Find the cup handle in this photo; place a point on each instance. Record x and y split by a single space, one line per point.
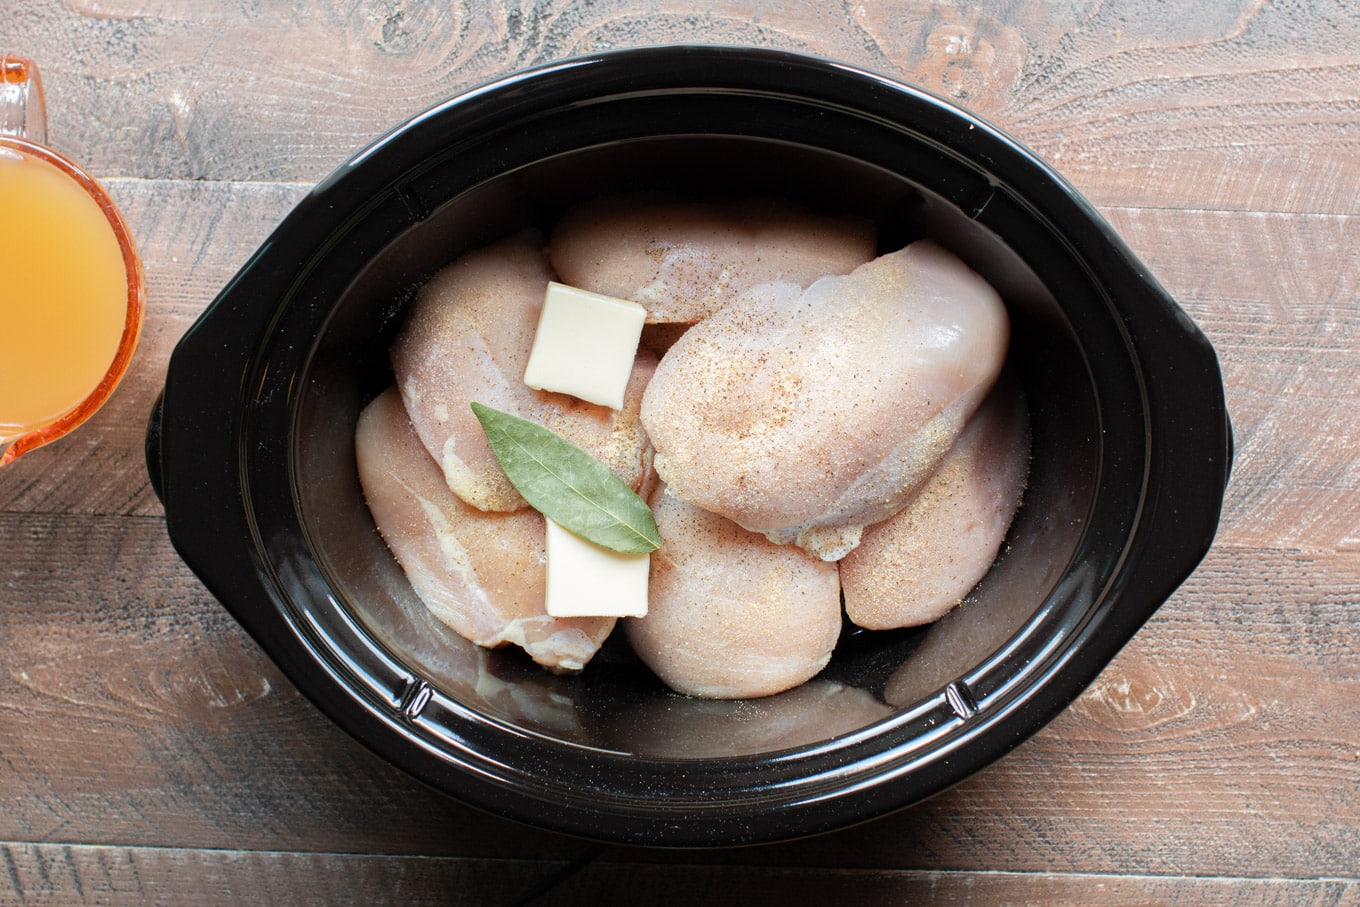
23 111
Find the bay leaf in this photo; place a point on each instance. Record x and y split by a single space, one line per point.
568 485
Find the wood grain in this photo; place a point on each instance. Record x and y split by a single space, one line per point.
65 875
150 753
1242 105
1289 348
1279 297
43 875
201 740
205 744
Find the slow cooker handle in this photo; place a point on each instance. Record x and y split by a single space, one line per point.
153 447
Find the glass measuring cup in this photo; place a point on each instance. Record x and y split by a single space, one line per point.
72 293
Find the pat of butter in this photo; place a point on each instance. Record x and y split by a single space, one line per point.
585 345
585 580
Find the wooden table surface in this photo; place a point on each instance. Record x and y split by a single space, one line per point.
150 753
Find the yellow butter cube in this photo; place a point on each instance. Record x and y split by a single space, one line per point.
585 345
585 580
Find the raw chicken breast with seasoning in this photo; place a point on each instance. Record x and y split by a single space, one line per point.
468 337
684 260
807 415
482 574
915 566
731 615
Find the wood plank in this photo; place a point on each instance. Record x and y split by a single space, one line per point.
38 875
1289 347
65 875
199 740
150 753
1242 105
1227 725
740 886
1279 297
1249 106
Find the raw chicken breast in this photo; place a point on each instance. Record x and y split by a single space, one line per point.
915 566
468 337
684 260
730 615
481 573
806 416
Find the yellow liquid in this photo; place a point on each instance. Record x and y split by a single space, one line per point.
63 293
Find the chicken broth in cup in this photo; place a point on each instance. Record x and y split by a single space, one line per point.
70 281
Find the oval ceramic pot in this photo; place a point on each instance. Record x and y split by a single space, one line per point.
251 451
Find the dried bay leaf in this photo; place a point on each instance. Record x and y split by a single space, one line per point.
568 485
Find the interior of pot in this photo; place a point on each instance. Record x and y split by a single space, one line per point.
616 703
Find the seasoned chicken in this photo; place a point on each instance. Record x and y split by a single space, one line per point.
807 415
468 337
731 615
481 573
916 565
684 260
